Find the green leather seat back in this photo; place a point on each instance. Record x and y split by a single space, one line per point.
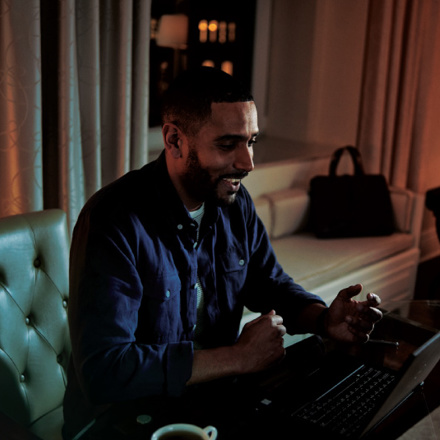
34 334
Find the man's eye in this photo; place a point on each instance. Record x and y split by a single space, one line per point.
226 146
252 142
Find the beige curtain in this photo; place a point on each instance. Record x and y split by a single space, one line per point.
73 99
400 93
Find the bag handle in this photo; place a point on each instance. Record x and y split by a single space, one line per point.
355 157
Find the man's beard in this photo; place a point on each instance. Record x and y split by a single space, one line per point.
201 187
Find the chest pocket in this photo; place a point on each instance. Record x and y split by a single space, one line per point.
233 267
160 319
163 287
233 261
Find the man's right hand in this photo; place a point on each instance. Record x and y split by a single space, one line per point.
260 344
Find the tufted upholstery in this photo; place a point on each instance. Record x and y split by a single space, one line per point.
34 336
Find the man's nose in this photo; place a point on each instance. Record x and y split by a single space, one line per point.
244 159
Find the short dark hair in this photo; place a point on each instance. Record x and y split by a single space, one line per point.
187 101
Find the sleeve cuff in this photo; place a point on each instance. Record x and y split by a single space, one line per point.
179 364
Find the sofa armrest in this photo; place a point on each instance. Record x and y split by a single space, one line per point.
403 205
408 207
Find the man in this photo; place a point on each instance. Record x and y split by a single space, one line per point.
164 259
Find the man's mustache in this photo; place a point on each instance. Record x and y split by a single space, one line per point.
235 175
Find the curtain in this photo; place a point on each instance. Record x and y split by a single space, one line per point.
73 99
400 92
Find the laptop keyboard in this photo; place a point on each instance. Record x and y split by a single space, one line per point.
343 408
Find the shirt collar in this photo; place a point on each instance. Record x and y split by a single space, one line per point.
169 202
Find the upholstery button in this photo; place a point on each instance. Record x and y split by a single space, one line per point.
167 293
22 378
143 419
37 262
60 358
27 320
65 304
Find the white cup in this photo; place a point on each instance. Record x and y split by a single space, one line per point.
184 431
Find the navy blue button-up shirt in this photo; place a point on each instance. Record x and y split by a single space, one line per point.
134 268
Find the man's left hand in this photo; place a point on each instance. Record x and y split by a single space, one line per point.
350 320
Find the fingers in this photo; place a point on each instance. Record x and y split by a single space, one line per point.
353 320
349 292
372 314
276 321
373 299
272 319
261 342
368 308
362 325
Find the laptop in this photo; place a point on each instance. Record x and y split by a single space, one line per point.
346 398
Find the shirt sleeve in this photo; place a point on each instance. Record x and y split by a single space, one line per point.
268 285
105 297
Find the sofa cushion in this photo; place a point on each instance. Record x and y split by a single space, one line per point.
263 208
312 262
290 209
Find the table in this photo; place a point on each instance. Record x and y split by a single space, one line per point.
229 404
413 320
423 314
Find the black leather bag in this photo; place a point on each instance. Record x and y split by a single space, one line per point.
355 205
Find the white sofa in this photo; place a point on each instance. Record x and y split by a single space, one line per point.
386 265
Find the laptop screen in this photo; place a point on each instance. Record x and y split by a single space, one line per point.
414 371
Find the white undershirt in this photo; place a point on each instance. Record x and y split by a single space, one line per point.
197 216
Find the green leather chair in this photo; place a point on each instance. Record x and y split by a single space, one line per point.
34 334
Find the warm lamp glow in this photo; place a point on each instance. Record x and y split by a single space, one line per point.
222 32
213 26
231 29
228 67
203 28
208 63
173 31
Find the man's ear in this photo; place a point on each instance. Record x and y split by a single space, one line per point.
172 139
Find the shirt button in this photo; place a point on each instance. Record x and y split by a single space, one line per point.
241 262
167 293
179 227
195 245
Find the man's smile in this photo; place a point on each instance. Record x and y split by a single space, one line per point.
232 183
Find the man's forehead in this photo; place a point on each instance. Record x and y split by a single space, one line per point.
235 104
235 113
